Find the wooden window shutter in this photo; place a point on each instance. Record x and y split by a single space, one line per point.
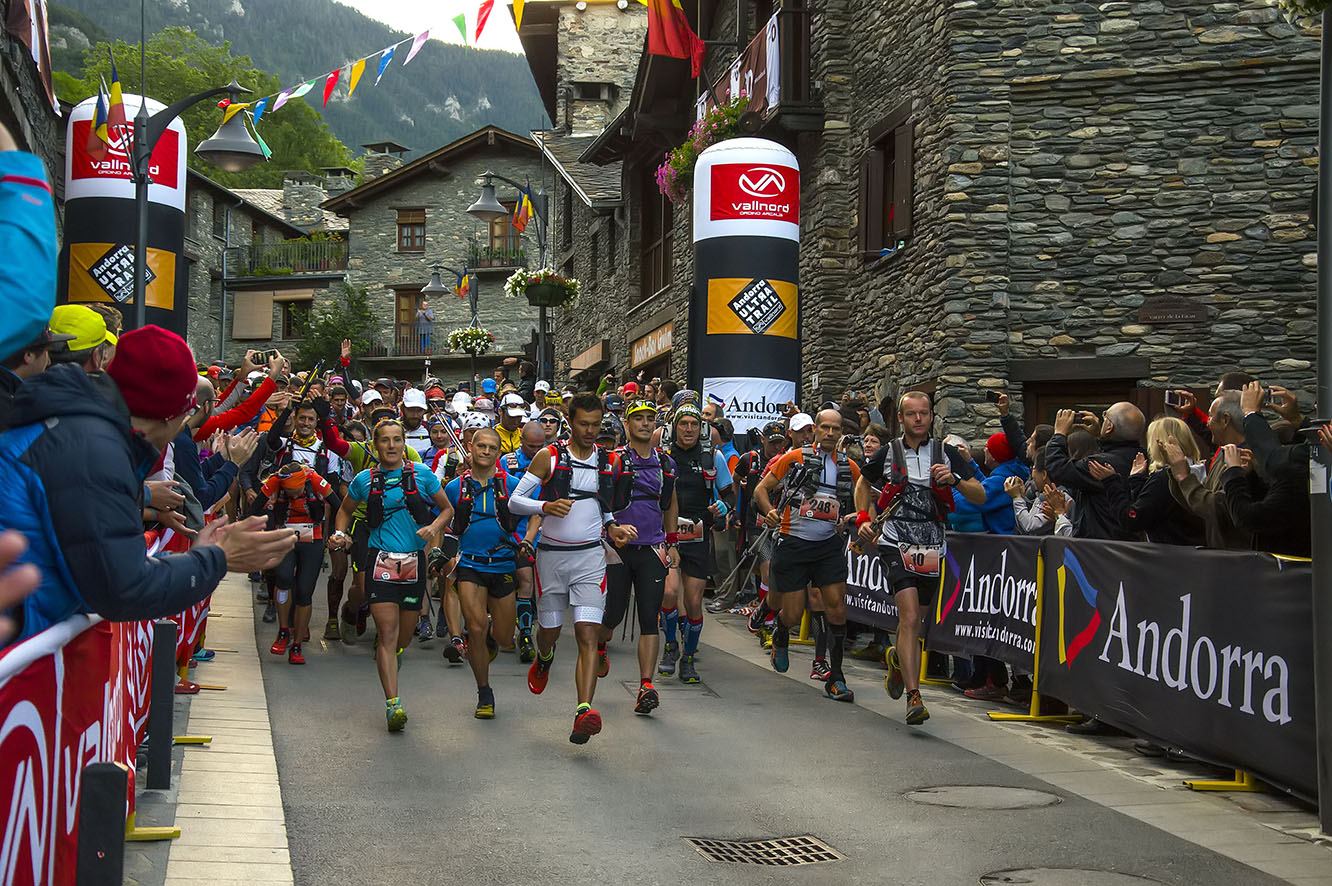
411 216
252 316
904 182
863 209
874 232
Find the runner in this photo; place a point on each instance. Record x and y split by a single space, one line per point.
819 484
918 473
397 508
751 468
644 562
486 547
298 493
702 480
512 417
413 419
516 464
578 497
450 625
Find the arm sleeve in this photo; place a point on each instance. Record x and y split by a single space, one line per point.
239 415
333 440
963 468
1269 514
1261 440
231 396
1146 509
1063 470
1017 440
275 432
1029 519
1197 422
522 501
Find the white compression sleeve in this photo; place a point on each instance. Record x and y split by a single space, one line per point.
522 502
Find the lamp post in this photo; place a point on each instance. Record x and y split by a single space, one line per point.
436 286
231 149
488 209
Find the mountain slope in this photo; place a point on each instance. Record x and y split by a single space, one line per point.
446 92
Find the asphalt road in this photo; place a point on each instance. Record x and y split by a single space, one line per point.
744 755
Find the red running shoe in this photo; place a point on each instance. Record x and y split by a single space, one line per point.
280 644
538 674
586 725
294 654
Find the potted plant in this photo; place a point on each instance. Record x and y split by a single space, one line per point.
471 339
675 176
543 288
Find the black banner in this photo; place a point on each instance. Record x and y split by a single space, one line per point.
987 603
867 599
1207 651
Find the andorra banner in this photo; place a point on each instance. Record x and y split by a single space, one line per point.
987 604
1207 651
867 599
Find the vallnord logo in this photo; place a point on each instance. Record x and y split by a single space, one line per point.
762 182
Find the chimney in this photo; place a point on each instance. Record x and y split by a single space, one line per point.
591 107
382 157
338 179
302 192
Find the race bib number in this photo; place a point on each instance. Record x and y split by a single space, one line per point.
819 507
689 530
921 559
304 531
396 568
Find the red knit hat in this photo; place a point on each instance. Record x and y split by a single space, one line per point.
999 448
155 372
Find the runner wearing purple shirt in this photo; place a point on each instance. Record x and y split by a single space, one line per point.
643 563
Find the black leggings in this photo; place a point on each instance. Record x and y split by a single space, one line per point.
643 570
299 571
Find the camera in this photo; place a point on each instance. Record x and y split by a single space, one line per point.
993 396
1173 399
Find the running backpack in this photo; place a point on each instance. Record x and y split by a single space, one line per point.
415 503
807 481
895 479
663 500
462 515
613 483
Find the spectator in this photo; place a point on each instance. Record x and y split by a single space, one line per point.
1031 515
1120 432
1001 466
425 324
1206 498
261 388
30 360
966 517
74 489
1150 502
92 346
210 478
28 243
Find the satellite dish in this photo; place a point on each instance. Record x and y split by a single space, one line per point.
750 122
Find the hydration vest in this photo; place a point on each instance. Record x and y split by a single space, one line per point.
415 503
895 479
499 485
806 483
321 455
613 484
314 506
663 499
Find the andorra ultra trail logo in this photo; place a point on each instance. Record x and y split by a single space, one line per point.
1069 649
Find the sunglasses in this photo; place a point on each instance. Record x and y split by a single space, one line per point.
549 421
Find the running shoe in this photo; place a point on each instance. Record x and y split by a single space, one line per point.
263 597
648 700
765 638
331 630
587 723
397 717
280 644
538 674
294 655
491 646
756 620
894 683
453 652
423 629
669 655
270 614
988 692
485 704
820 671
347 628
917 713
781 659
872 652
837 691
204 655
688 673
525 650
603 662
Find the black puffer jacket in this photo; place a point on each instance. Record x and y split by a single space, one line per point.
1096 514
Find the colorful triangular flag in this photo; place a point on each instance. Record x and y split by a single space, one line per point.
384 61
461 21
97 135
259 107
282 99
263 145
233 109
302 89
420 40
517 14
356 70
330 82
482 15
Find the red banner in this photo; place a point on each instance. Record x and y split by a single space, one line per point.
74 694
745 190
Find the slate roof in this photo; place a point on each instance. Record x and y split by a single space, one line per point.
270 201
596 185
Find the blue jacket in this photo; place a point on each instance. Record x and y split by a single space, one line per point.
28 243
210 479
71 480
997 511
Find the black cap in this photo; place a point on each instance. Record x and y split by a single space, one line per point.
774 430
614 402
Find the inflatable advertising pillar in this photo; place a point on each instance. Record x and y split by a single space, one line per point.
744 318
101 222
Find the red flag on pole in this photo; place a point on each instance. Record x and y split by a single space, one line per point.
669 33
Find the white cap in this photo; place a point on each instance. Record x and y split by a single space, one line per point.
372 396
462 401
542 385
514 405
800 421
483 404
567 395
257 376
475 421
414 397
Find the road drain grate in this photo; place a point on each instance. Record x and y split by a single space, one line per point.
780 852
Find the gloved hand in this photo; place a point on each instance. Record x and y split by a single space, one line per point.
322 409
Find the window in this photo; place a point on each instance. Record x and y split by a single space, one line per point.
219 220
503 235
605 92
256 231
887 179
411 230
295 319
252 315
656 238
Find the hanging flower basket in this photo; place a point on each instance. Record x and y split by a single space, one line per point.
544 288
675 176
471 339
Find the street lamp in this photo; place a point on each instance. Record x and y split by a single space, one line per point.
231 148
436 286
488 209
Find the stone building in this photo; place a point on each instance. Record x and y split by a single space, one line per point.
26 109
1077 203
411 219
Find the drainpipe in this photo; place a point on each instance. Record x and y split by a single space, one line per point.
226 245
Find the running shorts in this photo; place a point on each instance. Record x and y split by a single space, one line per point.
797 563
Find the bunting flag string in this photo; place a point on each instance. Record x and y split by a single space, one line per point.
357 69
420 40
461 21
329 82
384 62
259 107
517 15
483 15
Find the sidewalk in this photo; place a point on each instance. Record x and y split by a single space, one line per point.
227 801
1267 831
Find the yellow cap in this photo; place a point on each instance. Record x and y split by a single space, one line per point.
641 406
86 325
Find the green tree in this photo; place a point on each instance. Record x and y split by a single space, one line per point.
181 64
344 314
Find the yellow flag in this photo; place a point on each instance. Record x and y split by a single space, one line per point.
233 109
517 14
355 76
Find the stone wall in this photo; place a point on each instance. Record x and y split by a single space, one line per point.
599 44
29 117
375 263
301 196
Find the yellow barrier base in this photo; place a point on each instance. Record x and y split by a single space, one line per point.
1242 782
135 834
1033 715
193 739
924 666
213 686
803 639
